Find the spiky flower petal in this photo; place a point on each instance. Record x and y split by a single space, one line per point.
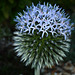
43 37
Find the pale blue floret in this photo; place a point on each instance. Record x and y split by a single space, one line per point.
50 19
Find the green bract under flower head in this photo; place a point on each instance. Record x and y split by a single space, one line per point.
43 37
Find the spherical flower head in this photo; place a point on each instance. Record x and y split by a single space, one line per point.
44 35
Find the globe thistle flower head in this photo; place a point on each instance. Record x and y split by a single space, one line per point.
43 38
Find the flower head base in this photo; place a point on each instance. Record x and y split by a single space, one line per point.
46 19
43 38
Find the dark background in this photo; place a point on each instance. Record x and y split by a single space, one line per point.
9 63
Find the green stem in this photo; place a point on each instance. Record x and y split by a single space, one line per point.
37 71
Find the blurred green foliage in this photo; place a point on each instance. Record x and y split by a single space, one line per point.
5 32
